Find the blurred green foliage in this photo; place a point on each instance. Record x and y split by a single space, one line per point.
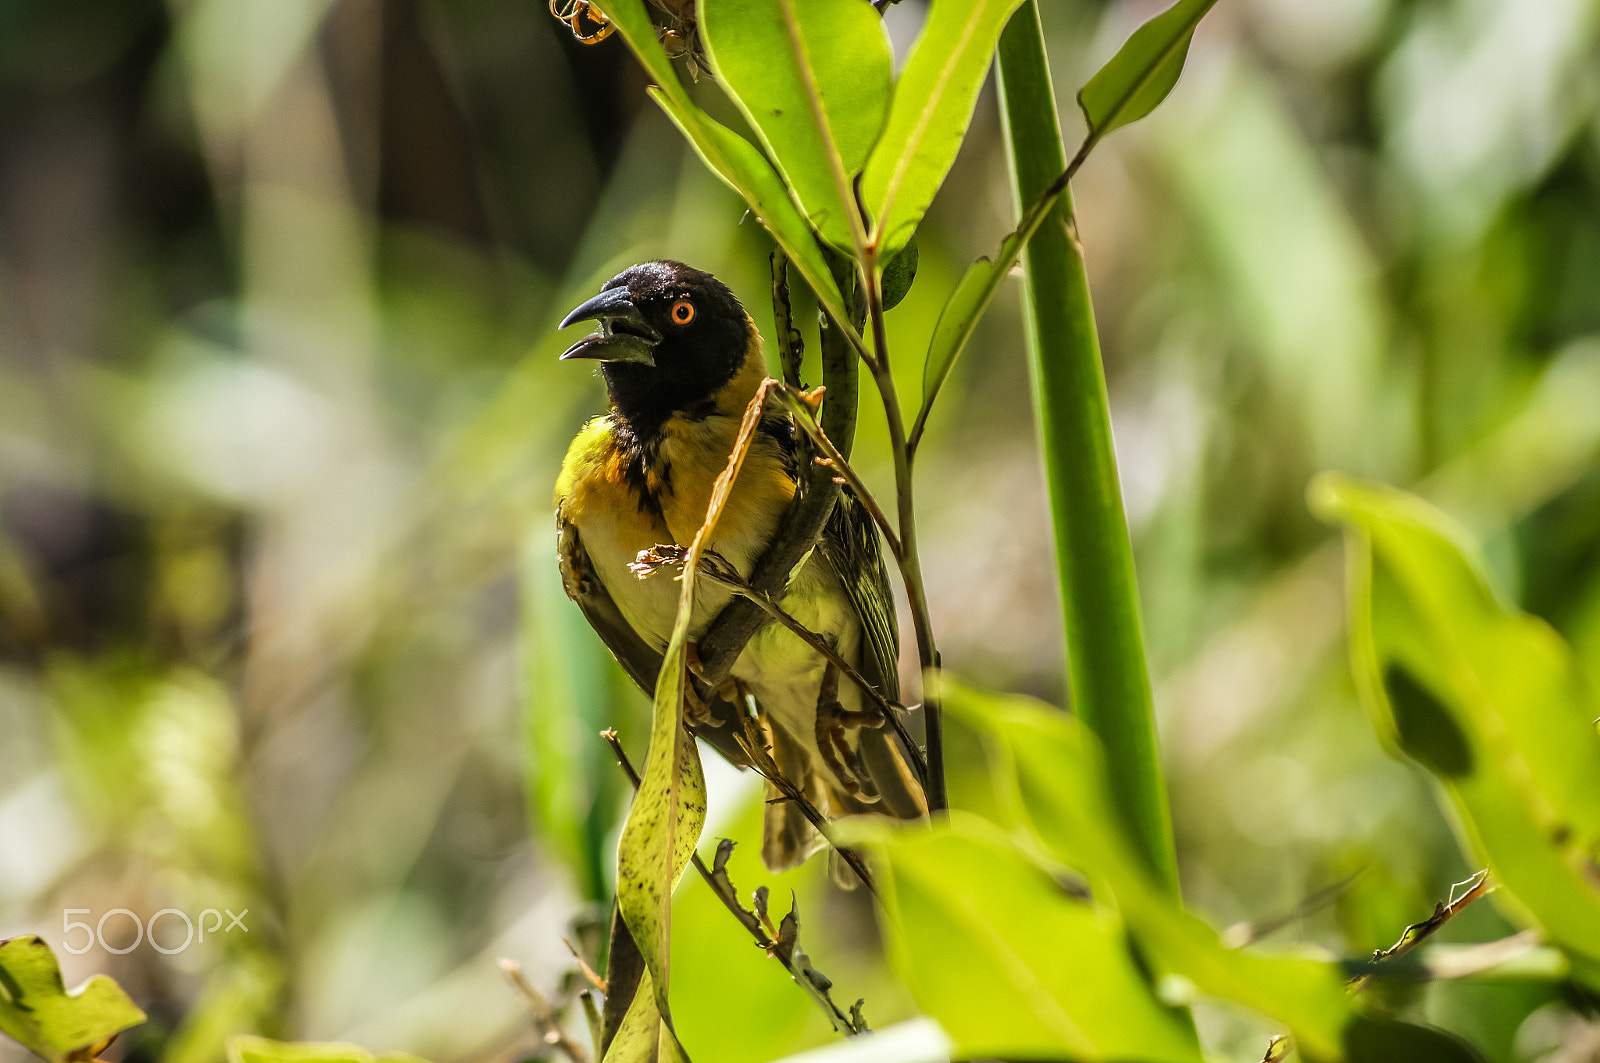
280 411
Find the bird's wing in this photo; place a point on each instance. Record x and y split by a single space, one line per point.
850 544
637 657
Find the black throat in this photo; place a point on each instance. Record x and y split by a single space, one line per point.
643 397
683 381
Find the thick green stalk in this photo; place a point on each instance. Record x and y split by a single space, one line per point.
1109 682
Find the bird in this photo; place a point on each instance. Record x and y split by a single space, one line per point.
681 359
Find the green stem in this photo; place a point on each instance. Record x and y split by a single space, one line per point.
1109 683
906 556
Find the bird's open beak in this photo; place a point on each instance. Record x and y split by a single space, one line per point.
624 336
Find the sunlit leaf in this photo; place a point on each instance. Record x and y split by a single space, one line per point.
37 1010
812 77
644 1036
663 823
960 316
1008 962
733 159
928 117
1049 774
1143 71
899 273
251 1049
1487 698
1050 785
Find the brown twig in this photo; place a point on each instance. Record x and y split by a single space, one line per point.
1239 935
583 966
806 419
1416 933
543 1016
722 886
762 761
909 560
719 570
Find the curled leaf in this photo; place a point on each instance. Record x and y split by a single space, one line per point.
37 1010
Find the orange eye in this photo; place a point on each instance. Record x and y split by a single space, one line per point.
682 312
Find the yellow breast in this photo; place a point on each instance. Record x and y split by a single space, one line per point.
625 502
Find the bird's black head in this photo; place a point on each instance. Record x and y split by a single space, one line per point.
670 337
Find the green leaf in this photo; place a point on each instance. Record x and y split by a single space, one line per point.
928 117
1487 698
732 158
645 1037
664 822
251 1049
37 1010
960 316
812 77
1007 961
1143 71
1049 774
1126 89
898 275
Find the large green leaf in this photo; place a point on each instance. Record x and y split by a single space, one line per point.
1007 961
1487 698
664 821
38 1010
812 77
733 159
1143 71
933 103
250 1049
1050 787
1050 778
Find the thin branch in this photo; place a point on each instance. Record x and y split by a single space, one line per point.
1239 935
721 885
718 569
1416 933
1033 216
763 763
805 417
583 966
543 1016
909 562
1443 963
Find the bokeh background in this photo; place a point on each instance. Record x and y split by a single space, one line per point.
280 416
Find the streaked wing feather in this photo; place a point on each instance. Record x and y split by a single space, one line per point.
850 543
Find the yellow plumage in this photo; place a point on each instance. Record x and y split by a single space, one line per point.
682 360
